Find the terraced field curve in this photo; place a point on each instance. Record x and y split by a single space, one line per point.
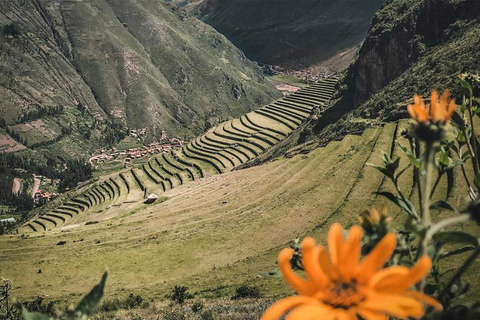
219 150
216 233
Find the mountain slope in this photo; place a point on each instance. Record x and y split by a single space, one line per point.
412 47
290 33
134 63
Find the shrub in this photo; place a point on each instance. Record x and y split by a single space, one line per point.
197 306
11 29
246 291
174 315
127 303
180 294
38 305
207 315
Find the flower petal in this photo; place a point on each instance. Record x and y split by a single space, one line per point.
335 242
351 252
310 311
281 307
419 271
422 115
451 109
300 285
434 104
389 279
371 315
411 111
394 305
328 269
425 299
311 264
377 257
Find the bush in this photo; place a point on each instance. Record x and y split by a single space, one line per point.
246 291
207 315
127 303
174 315
197 306
38 305
11 29
180 294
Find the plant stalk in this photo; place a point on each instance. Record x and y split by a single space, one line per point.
425 209
429 164
459 273
474 140
443 224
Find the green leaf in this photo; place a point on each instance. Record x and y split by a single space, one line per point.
405 205
441 204
402 171
27 315
455 237
411 157
92 300
465 85
380 168
457 251
477 180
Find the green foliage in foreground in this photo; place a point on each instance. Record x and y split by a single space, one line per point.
83 310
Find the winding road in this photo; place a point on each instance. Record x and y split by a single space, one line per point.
17 184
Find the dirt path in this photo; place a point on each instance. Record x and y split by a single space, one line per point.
36 185
17 184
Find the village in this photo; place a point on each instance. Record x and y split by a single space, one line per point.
164 145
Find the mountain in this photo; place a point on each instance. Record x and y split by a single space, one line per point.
412 47
290 33
77 73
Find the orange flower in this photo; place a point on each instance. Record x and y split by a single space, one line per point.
436 112
341 287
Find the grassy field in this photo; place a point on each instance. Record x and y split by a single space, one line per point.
212 234
287 79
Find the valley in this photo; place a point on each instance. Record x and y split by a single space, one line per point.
219 150
224 228
190 148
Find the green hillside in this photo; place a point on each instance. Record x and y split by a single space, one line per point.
289 33
76 73
229 145
216 233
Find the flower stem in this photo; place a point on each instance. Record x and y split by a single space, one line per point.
445 223
459 272
474 140
429 163
425 209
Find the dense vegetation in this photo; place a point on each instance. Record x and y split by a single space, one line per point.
70 173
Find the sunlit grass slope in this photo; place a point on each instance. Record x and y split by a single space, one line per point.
220 149
214 233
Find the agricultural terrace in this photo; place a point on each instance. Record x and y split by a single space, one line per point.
219 150
221 229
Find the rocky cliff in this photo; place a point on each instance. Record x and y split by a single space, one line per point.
412 47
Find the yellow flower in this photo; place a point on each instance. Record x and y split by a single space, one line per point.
341 287
372 218
435 112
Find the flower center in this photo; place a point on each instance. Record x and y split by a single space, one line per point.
343 294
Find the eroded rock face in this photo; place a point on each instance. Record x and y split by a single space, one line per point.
402 32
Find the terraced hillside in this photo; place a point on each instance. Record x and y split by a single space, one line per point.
216 233
219 150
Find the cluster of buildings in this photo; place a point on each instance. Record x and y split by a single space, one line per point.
165 145
42 197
